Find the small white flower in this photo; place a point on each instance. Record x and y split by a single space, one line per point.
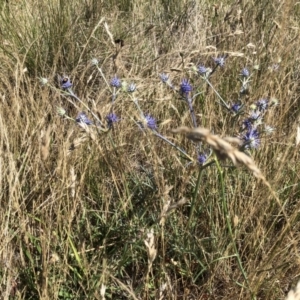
131 88
102 291
269 129
94 62
61 111
43 81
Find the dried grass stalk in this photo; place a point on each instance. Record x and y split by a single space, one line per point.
221 147
294 294
45 141
168 208
73 182
76 143
151 249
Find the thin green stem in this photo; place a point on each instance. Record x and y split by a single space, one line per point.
102 75
135 101
172 144
192 112
228 222
195 193
216 92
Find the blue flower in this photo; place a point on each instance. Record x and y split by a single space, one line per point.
164 77
185 87
115 82
65 83
202 70
202 158
245 88
220 61
253 120
251 139
236 107
83 118
262 105
247 123
245 72
151 122
255 116
111 118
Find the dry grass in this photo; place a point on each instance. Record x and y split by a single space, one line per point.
120 214
294 294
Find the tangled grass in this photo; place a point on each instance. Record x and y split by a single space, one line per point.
100 199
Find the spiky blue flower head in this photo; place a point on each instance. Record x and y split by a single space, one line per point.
202 70
83 118
116 82
65 83
251 139
164 77
247 123
236 107
111 119
185 87
220 61
254 119
166 80
255 115
202 158
151 122
131 88
262 105
245 72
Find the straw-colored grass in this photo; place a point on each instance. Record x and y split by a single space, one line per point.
120 213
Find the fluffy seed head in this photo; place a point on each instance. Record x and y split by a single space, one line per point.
94 62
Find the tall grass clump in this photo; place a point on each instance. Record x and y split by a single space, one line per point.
149 150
